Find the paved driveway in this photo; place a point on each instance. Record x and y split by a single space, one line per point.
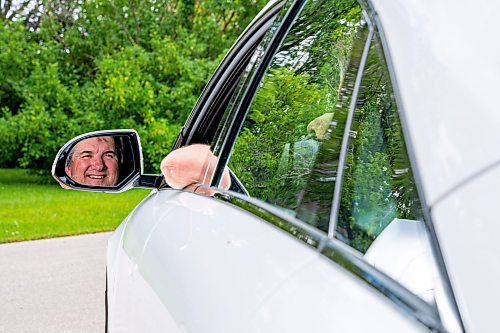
53 285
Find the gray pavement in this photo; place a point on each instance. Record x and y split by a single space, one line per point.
53 285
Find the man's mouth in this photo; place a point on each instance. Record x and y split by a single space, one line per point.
96 176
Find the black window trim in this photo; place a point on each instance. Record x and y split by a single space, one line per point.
247 97
201 110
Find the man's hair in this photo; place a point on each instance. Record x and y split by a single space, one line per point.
69 159
118 150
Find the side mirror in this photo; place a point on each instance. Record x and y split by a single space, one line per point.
103 161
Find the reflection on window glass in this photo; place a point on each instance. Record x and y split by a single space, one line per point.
285 154
378 185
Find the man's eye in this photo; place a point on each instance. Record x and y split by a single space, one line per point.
86 156
110 155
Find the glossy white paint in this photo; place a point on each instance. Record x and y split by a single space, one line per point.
188 263
209 264
321 297
472 251
134 305
445 56
403 252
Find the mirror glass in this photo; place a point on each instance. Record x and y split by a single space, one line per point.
99 160
95 161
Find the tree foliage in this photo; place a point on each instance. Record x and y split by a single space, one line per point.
378 182
267 156
72 66
279 155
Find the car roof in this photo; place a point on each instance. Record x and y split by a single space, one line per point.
444 56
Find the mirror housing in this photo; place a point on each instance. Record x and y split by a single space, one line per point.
103 161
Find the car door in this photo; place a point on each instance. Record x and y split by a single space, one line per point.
321 189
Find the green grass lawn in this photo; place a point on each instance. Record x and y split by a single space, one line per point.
32 210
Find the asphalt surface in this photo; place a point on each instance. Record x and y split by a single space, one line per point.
53 285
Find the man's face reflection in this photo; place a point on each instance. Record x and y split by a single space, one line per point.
94 161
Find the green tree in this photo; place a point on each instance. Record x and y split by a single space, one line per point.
68 67
378 182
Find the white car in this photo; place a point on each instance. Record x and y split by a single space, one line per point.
362 142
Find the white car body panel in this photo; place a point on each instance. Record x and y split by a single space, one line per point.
445 56
189 263
136 306
324 298
206 249
473 253
403 252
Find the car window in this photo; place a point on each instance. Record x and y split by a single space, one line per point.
378 184
379 211
330 150
322 141
286 151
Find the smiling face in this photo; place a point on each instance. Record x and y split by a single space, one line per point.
94 161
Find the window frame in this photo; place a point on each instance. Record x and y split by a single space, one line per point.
200 122
240 111
332 225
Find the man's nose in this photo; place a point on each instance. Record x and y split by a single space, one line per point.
98 163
